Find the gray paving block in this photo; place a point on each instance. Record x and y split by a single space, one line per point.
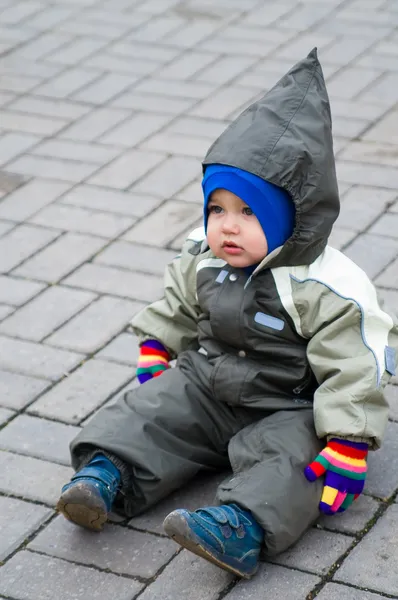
61 257
123 203
5 311
91 126
123 349
135 130
80 151
95 325
384 250
382 479
5 415
20 243
377 176
386 225
118 549
178 145
29 358
45 313
169 178
17 291
73 218
384 130
126 169
82 392
18 520
14 144
67 82
105 88
352 520
379 552
391 393
194 577
38 166
4 225
389 277
361 206
117 282
135 257
335 591
274 583
199 492
30 198
16 391
29 576
340 237
32 124
38 438
165 223
31 478
316 552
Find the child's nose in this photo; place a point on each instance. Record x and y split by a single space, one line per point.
230 224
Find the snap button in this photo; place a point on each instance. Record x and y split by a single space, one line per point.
242 353
233 277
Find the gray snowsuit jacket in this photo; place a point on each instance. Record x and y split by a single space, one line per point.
269 366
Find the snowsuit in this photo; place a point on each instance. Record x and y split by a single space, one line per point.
268 366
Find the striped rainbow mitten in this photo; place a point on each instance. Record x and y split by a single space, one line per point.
152 361
344 466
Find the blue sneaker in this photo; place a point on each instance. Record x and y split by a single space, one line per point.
88 497
225 535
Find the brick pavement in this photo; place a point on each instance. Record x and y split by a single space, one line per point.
105 111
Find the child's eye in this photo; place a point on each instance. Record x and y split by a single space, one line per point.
247 211
214 208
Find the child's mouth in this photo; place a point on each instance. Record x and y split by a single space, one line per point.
231 248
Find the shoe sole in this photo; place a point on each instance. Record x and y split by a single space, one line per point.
79 505
178 529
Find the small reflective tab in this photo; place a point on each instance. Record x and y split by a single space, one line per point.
268 321
221 276
233 277
390 358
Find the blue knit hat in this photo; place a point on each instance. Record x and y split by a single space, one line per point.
273 206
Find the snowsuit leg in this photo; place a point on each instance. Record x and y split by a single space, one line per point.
162 433
268 459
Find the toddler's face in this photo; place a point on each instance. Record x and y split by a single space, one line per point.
233 231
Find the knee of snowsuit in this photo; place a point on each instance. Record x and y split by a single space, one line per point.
164 432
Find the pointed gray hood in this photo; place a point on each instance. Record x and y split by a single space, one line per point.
286 138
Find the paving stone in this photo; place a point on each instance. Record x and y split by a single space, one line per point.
126 169
150 103
354 519
4 226
18 520
20 243
123 203
68 82
14 144
19 85
275 583
16 391
45 313
341 237
361 206
335 591
5 415
123 349
68 150
210 129
175 89
30 198
178 145
169 178
5 311
60 258
29 358
136 258
187 65
370 152
223 103
178 241
165 223
44 44
45 106
391 393
33 124
378 551
65 170
383 252
135 130
120 64
117 282
384 130
389 277
32 479
14 14
82 392
95 325
382 479
196 579
105 88
157 28
38 438
93 125
76 50
118 549
386 225
192 193
140 50
22 577
345 50
201 491
384 91
316 552
73 218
